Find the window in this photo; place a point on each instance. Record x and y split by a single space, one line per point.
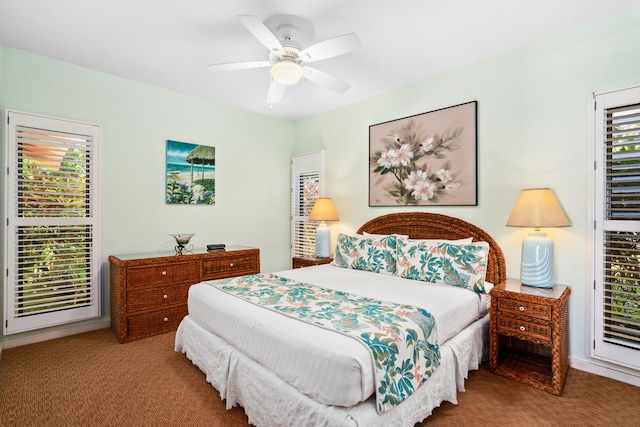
51 215
616 215
307 172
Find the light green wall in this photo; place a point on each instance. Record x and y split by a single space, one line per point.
532 132
252 158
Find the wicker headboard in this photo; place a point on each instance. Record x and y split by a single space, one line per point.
422 225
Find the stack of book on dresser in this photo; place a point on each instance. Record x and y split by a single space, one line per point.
216 247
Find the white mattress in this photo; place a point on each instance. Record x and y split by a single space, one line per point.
329 367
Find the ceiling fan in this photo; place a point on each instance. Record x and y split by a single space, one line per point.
288 61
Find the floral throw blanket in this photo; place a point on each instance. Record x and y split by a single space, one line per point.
402 339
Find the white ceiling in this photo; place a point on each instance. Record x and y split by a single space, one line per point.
167 43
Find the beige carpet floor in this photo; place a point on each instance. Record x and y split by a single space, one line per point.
92 380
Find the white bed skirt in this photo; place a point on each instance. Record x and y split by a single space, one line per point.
269 401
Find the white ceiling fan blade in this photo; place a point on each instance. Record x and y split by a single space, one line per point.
326 80
230 66
276 90
261 32
331 47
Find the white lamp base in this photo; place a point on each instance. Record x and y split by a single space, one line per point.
537 266
323 238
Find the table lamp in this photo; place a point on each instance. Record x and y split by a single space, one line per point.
537 208
323 210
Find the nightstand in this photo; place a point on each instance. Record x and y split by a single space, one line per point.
529 334
308 261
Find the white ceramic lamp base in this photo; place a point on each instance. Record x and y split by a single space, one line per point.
323 239
537 267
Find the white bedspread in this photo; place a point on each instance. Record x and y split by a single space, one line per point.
329 367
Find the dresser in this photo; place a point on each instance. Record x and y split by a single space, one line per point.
529 331
149 291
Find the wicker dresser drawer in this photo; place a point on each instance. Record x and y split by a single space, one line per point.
230 265
166 273
525 308
149 292
156 322
155 297
523 329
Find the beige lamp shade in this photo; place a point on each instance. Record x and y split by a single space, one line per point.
323 210
538 208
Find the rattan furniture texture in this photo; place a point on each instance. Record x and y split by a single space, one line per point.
149 291
304 261
529 334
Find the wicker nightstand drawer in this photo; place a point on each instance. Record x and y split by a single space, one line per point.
166 273
538 311
156 297
523 329
231 265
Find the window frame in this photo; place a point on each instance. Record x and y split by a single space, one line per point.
313 162
90 280
597 346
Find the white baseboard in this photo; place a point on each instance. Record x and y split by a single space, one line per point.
59 333
604 371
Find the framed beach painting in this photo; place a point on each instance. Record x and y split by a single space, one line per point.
191 174
429 159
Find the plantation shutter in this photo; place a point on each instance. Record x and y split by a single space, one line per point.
617 221
52 231
307 171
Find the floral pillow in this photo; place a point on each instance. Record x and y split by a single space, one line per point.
377 254
461 265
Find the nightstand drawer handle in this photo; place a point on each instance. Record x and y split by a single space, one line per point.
165 296
230 264
521 308
164 273
522 328
166 319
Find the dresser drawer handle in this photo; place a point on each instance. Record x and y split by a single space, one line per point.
522 328
165 296
230 264
521 308
166 319
164 273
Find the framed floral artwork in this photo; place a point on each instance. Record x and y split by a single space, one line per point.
429 159
191 174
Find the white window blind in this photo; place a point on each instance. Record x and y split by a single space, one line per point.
306 186
52 230
617 223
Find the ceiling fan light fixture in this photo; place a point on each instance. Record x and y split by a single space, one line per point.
287 72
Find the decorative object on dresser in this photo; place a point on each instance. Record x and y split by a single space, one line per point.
529 334
182 242
299 262
537 208
323 210
149 291
216 247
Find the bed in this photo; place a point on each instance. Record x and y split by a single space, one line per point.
283 371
